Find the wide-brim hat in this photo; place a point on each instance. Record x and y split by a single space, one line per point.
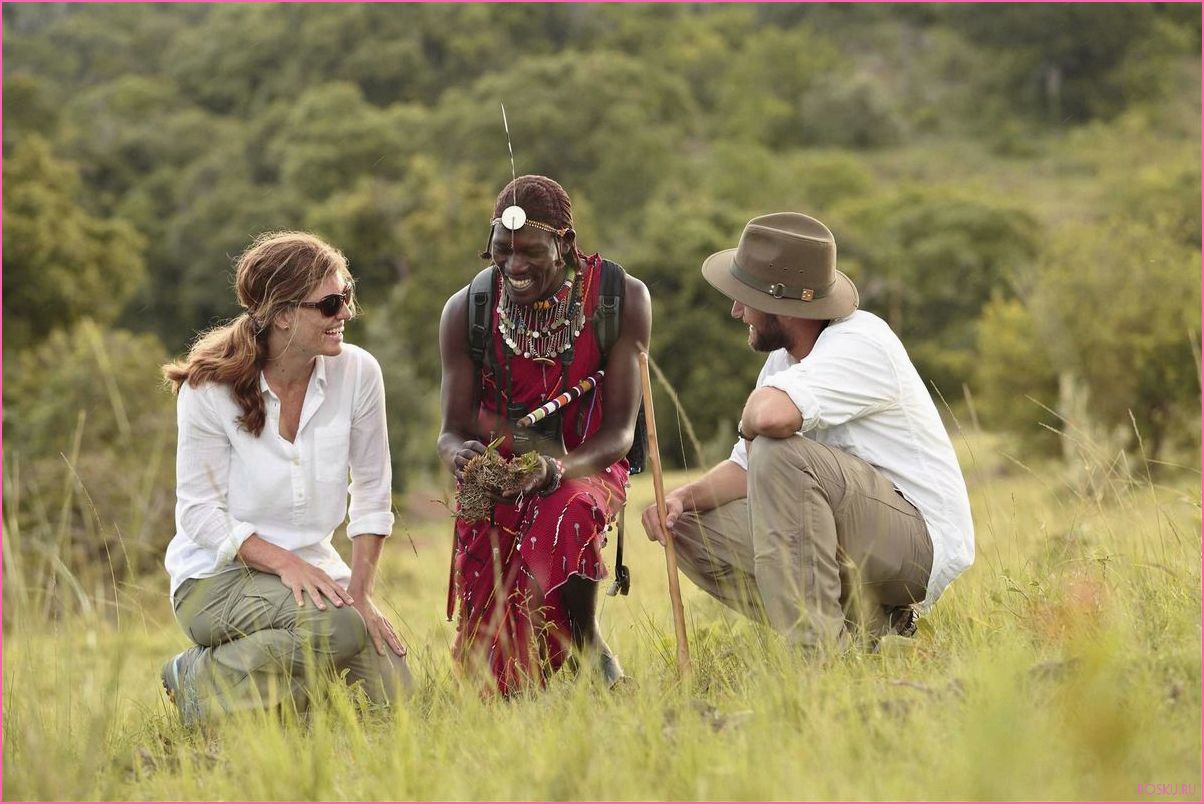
785 264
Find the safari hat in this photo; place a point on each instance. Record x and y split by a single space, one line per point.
785 264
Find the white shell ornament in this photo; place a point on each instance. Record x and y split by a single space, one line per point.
513 218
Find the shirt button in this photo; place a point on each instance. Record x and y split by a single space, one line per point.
296 461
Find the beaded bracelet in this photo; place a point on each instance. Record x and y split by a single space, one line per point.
555 473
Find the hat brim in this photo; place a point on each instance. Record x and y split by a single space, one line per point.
841 301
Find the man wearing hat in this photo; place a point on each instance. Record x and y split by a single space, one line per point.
842 510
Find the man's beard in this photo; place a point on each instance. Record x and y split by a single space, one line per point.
769 337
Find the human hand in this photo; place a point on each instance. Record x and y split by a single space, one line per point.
538 479
650 519
303 578
468 450
380 630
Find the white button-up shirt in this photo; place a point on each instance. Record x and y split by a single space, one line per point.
858 392
231 484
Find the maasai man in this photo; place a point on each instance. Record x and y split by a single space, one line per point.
527 577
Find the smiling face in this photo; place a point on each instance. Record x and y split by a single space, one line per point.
317 334
532 261
765 332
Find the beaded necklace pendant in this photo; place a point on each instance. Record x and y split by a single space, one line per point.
544 329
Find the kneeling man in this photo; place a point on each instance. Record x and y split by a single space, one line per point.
842 511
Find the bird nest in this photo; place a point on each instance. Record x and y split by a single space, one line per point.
488 476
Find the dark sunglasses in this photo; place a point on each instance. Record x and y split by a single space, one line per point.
330 306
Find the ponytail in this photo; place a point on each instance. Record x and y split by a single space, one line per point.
232 354
277 271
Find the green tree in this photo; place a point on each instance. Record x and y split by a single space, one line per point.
594 121
1069 63
60 263
94 398
331 136
1115 307
927 260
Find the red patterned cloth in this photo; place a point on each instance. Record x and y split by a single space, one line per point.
509 571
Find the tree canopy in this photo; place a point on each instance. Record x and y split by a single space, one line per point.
980 166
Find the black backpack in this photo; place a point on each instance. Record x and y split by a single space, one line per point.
607 323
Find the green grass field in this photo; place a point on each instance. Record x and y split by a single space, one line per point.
1064 665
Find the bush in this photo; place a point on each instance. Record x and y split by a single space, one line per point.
1112 308
89 456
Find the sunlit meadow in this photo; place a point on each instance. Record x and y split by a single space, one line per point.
1064 665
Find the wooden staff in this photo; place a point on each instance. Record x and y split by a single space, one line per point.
658 486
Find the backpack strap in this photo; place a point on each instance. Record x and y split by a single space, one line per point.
480 308
608 316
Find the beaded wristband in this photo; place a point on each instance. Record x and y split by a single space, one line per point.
556 474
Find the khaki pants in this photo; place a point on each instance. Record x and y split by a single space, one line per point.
259 649
823 545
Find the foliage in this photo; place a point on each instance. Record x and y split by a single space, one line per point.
1066 666
60 263
1015 385
928 259
86 411
1068 63
1128 334
146 145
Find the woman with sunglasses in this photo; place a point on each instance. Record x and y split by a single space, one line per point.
275 412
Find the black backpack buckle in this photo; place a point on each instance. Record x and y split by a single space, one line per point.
622 582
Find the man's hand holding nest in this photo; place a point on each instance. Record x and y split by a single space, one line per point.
468 451
532 481
486 478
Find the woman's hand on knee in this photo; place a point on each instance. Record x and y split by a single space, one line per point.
303 578
380 630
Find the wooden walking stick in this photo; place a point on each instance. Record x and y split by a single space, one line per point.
658 486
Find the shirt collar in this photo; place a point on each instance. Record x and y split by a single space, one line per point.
319 376
320 371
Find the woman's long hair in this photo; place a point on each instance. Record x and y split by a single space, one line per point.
278 270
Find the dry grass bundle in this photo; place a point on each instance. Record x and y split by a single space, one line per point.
488 475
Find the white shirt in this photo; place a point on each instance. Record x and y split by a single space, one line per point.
858 392
231 484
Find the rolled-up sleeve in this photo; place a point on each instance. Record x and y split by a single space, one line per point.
739 454
371 472
840 382
203 478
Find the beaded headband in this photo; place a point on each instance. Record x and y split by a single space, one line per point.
515 217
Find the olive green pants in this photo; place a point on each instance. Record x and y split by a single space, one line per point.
822 547
260 649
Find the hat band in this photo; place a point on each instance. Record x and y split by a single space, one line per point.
779 291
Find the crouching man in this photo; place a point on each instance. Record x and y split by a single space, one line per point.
842 511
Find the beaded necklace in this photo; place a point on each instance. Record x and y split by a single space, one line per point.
547 328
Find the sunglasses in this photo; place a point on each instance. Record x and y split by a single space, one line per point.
330 306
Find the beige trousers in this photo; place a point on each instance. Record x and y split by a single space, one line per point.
259 649
823 548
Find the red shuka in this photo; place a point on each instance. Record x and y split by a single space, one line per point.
512 617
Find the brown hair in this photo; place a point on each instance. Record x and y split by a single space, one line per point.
278 270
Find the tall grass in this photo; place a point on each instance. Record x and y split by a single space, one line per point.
1064 665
